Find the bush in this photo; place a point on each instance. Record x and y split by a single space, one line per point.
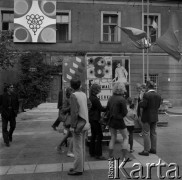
34 84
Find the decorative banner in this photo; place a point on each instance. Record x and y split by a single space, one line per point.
105 71
74 66
35 21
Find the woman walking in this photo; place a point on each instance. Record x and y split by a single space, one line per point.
118 110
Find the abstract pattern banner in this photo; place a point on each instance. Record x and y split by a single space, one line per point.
35 21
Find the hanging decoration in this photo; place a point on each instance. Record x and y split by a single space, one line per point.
35 21
169 42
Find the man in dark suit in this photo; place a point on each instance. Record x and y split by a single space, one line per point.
59 106
150 105
10 105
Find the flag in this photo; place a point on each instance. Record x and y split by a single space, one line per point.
169 42
134 33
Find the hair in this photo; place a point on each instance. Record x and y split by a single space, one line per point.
95 89
130 102
150 85
69 90
75 83
119 88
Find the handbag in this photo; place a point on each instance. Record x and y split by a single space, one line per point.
105 118
80 125
67 121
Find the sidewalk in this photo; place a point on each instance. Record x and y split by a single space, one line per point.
32 154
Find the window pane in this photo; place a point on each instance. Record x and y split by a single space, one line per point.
62 18
112 37
106 29
114 19
105 37
6 17
11 17
5 26
11 26
145 19
62 32
106 19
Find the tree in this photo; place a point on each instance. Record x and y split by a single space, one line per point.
8 52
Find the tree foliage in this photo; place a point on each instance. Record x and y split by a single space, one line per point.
35 79
8 52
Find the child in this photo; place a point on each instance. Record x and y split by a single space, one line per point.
129 120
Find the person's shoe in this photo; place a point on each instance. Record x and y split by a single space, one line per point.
70 154
100 157
144 153
152 151
131 150
54 128
59 149
71 169
92 155
74 173
141 134
7 144
10 138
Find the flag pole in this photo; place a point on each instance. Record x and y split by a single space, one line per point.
143 50
147 40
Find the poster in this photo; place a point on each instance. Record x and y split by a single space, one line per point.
105 71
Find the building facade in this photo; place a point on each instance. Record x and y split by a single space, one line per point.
89 29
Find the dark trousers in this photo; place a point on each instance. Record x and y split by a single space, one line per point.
130 130
56 123
5 132
95 148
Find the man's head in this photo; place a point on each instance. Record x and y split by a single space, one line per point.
10 88
150 85
119 64
75 83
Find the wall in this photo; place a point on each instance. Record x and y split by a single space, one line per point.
86 18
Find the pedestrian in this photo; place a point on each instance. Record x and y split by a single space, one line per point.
65 112
59 106
150 105
95 146
130 120
118 110
79 114
141 88
10 105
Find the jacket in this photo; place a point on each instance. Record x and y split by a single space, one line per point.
96 109
9 106
117 107
150 105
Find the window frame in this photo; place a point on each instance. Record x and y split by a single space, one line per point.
69 24
159 22
118 24
6 12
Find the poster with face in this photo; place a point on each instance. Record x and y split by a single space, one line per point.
105 71
35 21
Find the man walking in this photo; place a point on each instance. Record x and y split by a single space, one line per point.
150 105
10 105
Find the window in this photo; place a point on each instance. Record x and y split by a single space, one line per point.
63 26
153 25
110 26
7 20
154 78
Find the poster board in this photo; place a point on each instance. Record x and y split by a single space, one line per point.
35 21
101 69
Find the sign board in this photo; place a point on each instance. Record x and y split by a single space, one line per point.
35 21
105 70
